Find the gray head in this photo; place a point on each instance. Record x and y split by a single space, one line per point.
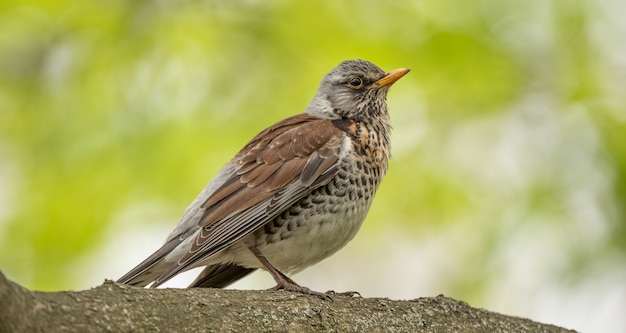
356 89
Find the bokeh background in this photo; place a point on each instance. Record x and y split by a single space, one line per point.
507 187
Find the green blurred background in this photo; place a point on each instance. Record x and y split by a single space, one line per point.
507 187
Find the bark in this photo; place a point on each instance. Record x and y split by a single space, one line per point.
113 307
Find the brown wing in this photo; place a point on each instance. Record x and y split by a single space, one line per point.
277 168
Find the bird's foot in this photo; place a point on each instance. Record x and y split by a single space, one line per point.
284 285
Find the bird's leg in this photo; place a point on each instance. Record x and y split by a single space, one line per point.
282 281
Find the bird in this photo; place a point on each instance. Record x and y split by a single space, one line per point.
293 195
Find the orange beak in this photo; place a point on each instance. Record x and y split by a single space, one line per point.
391 77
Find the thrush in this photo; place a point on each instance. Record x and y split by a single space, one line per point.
294 195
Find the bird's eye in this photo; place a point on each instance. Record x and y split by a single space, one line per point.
355 82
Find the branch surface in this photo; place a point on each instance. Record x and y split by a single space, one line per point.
113 307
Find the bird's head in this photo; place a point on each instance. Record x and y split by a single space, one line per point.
356 89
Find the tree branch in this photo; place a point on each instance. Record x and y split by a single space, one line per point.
113 307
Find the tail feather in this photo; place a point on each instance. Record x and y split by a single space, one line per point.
220 276
151 268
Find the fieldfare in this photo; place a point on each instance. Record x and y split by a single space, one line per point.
294 195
